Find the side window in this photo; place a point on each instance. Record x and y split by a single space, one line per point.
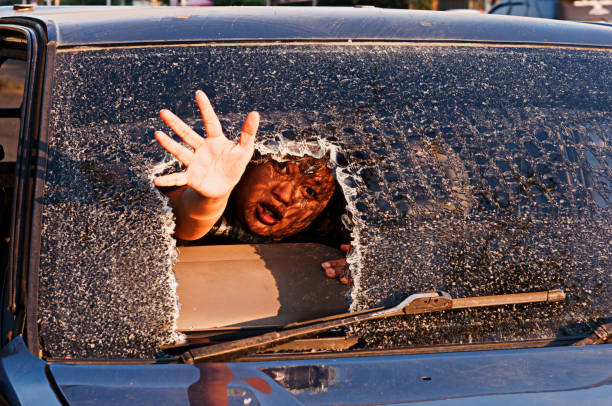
12 79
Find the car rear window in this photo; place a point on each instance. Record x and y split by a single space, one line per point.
476 170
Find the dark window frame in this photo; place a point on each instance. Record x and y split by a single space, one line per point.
29 177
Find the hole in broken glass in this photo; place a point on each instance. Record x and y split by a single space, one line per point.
274 256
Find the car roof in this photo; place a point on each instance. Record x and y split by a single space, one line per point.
82 26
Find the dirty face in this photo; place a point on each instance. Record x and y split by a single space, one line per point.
278 199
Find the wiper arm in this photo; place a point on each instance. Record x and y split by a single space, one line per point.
417 303
601 335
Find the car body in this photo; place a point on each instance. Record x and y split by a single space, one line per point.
97 73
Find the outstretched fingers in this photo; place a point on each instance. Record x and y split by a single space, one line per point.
211 121
180 152
181 129
249 129
173 179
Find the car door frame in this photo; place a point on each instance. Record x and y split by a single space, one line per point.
29 184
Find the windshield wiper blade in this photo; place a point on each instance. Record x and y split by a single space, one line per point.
417 303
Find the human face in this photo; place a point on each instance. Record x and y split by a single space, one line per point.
278 199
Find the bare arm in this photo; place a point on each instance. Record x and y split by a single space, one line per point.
213 167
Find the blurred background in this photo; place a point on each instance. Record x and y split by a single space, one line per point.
577 10
476 5
409 4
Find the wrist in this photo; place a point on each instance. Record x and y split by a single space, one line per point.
204 208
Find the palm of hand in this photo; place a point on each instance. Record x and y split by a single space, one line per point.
217 166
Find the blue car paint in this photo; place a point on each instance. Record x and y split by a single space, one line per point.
22 376
92 25
167 384
556 375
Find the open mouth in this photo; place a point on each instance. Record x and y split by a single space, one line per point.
267 214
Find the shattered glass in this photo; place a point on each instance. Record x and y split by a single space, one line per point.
477 170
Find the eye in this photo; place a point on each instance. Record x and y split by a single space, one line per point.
310 192
281 167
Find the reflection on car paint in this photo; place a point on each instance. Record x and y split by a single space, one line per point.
296 379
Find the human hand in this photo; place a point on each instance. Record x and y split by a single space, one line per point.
337 268
215 164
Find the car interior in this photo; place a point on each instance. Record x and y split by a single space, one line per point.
12 80
231 287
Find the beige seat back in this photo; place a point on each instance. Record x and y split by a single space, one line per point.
255 285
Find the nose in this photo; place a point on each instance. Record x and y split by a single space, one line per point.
283 191
292 169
